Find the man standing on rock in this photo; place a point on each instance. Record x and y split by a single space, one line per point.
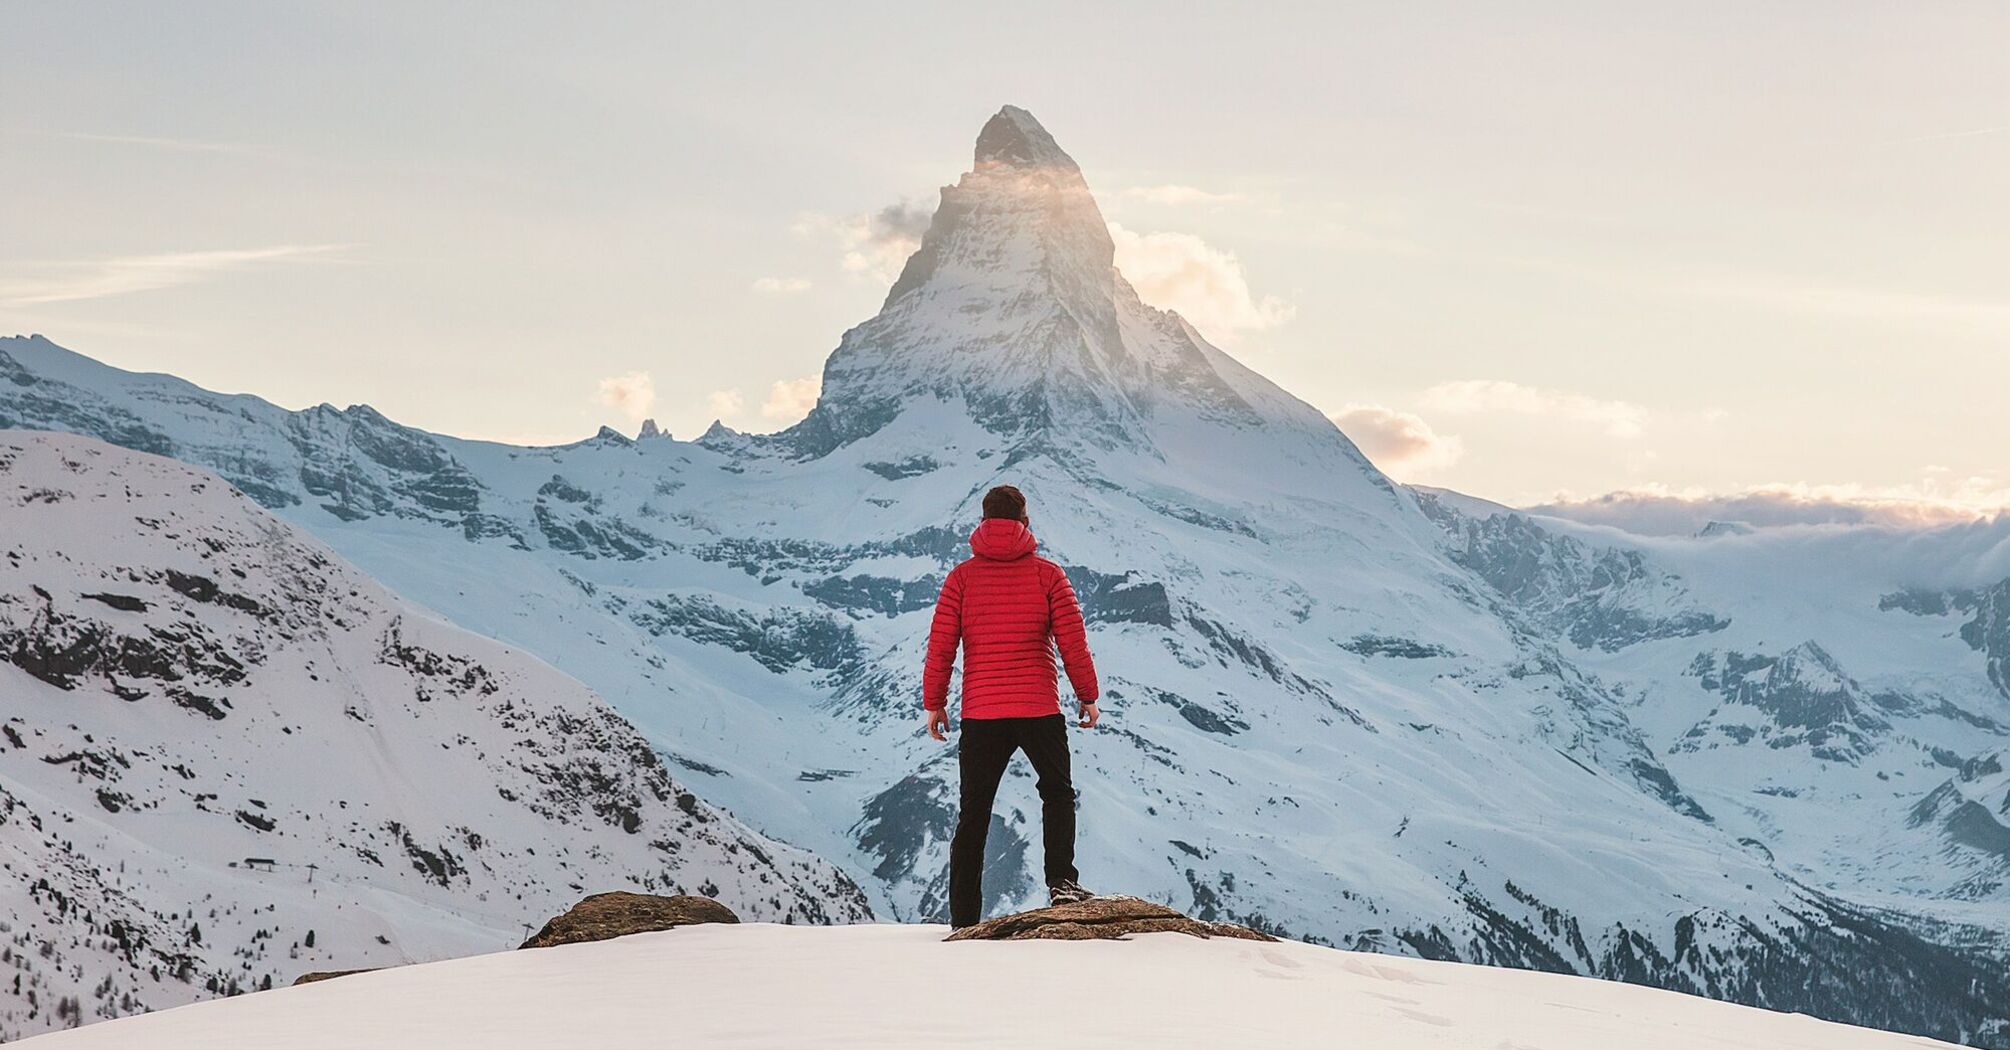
1011 610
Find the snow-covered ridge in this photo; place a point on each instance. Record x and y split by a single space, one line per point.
759 986
227 757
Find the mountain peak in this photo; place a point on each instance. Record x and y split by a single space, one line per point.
1012 138
1021 216
1013 306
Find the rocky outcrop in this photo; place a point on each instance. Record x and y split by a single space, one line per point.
329 975
1100 919
604 916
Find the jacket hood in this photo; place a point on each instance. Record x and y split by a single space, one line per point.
1002 539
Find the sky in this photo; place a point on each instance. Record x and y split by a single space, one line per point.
1678 251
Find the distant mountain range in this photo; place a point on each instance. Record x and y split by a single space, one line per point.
1765 767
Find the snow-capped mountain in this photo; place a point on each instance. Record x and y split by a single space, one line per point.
227 757
1336 707
786 987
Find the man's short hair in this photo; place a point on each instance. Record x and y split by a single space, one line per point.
1005 501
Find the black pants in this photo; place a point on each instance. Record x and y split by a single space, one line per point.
983 753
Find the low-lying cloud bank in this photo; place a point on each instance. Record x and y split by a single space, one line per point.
1669 514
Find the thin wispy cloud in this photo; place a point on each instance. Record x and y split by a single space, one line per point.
1619 419
1940 135
875 244
161 142
62 282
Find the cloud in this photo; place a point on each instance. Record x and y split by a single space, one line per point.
781 285
726 402
1939 135
120 275
1619 419
632 395
876 244
178 145
1398 442
1205 285
792 399
1655 511
1177 195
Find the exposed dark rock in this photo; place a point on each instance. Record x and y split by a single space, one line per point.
121 602
1207 721
1987 630
591 537
329 975
1800 697
605 916
1401 648
560 488
1824 957
205 590
1194 516
901 821
1922 602
779 638
1111 598
1100 919
1989 634
906 468
881 594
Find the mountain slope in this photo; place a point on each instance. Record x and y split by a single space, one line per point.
774 986
1336 707
226 758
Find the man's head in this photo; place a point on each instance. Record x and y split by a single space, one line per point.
1005 501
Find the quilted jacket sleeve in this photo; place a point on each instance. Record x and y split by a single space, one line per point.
1072 638
943 636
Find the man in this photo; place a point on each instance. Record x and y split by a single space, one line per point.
1011 610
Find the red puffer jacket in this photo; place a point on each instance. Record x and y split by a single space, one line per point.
1011 610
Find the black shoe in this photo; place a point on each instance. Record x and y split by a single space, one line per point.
1067 891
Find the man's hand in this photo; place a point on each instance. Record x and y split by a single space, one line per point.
1090 716
938 722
